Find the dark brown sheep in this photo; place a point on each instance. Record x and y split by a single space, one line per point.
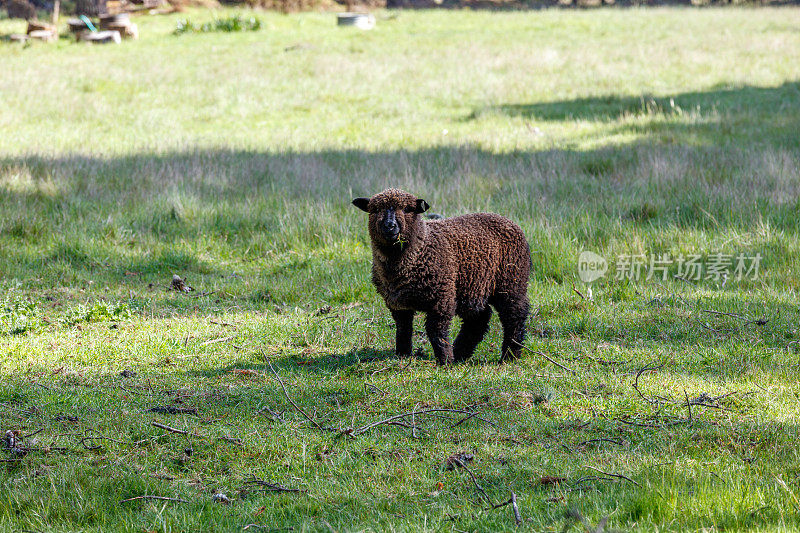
456 266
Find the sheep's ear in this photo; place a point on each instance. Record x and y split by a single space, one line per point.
422 206
361 203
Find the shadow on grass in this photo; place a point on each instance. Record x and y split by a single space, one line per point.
285 218
766 115
325 364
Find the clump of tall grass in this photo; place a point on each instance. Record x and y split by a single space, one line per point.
235 23
99 312
17 316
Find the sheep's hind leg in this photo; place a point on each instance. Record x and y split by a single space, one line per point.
473 329
438 328
512 316
404 322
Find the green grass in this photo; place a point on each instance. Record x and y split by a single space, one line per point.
231 158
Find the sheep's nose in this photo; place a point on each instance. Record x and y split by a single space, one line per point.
389 220
389 224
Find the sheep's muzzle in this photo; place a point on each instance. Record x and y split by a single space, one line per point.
389 226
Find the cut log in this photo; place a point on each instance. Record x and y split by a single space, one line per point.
43 35
19 37
127 31
76 25
106 21
39 25
364 21
101 37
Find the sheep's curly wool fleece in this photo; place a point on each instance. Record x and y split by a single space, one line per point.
456 266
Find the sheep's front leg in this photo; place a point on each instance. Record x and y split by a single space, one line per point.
404 322
438 328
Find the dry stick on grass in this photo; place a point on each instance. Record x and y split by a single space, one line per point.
394 419
149 497
636 382
619 476
286 393
734 315
512 501
233 440
612 441
23 411
699 399
460 463
568 369
83 441
576 291
270 487
222 323
515 509
214 341
688 404
645 425
757 321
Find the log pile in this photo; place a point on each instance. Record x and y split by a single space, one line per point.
121 23
113 28
100 37
42 31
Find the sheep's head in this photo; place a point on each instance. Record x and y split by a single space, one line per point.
393 216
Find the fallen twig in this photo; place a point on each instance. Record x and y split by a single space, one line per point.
175 430
286 393
457 460
98 437
515 509
576 291
688 404
636 382
619 476
150 497
172 410
233 440
568 369
612 441
757 321
460 463
214 341
270 487
23 411
393 419
734 315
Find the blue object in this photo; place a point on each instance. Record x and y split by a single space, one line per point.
88 22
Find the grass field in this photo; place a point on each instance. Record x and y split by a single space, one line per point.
231 159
